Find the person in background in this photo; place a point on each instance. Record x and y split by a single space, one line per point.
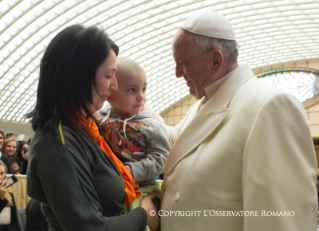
2 139
244 147
23 155
8 197
5 198
10 135
72 171
9 157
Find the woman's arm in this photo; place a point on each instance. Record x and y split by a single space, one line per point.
5 198
61 176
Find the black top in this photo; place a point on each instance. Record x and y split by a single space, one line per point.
24 167
78 184
3 203
10 160
36 221
14 224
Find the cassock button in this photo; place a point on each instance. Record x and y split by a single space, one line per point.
176 197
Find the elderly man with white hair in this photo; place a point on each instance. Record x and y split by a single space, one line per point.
242 158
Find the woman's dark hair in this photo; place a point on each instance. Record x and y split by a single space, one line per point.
67 73
21 143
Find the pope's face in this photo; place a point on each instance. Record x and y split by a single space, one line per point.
193 67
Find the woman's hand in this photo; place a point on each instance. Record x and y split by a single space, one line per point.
147 204
14 168
3 189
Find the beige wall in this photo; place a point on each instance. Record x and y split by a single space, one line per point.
176 112
313 117
311 64
17 128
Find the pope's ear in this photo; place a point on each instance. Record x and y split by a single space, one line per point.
217 58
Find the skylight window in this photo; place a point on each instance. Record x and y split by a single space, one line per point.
269 32
302 83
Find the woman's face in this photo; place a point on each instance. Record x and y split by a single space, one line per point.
10 148
1 140
22 148
25 155
105 82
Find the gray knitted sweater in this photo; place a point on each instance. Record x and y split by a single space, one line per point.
139 141
77 183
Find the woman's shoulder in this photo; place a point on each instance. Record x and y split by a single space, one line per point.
56 134
56 143
47 141
4 157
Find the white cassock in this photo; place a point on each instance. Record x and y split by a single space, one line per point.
249 148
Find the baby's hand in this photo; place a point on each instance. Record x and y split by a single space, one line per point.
128 168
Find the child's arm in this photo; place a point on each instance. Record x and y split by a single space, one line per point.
128 168
156 154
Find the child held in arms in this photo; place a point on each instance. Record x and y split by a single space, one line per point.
136 138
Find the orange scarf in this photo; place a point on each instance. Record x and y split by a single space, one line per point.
89 126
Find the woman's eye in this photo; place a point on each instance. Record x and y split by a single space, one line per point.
108 77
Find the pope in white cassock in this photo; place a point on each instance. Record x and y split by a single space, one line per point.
243 156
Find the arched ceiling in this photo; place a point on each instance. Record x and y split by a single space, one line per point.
268 32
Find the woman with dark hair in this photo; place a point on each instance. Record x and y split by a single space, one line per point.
72 171
23 155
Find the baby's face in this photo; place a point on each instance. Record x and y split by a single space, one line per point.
130 97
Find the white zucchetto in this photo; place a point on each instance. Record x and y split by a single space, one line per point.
211 24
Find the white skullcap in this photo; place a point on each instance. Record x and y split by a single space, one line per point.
211 24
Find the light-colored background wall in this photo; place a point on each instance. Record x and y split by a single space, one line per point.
176 112
313 117
17 128
311 64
